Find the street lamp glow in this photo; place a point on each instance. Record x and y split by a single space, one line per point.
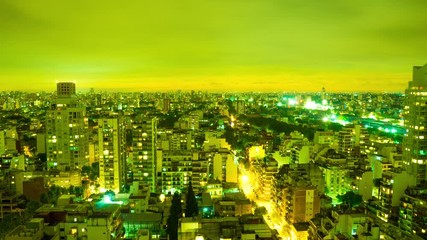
244 178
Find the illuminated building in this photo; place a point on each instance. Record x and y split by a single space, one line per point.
190 121
415 112
176 140
303 203
323 139
139 197
200 172
99 220
266 169
66 179
295 198
66 131
335 168
142 225
212 143
362 183
413 211
224 168
8 139
112 157
144 140
175 170
392 188
353 139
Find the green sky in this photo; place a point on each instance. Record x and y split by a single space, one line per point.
247 45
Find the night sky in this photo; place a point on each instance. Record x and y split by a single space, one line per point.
230 45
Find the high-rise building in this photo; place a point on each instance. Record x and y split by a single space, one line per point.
176 170
413 211
352 139
112 153
415 115
66 131
144 139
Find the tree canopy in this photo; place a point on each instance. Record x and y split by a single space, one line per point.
192 208
350 198
174 216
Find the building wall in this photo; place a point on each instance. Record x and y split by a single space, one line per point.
415 121
112 159
66 138
144 140
231 170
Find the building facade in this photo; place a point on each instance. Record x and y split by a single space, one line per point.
112 157
415 112
66 131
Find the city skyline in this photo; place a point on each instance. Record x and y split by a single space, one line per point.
218 46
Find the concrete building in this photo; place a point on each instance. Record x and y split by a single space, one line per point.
362 183
224 168
66 179
66 131
353 139
112 157
413 211
144 140
303 203
33 230
82 221
323 139
415 121
8 141
175 170
139 197
335 168
392 188
344 224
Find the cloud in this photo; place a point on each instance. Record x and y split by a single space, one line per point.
309 40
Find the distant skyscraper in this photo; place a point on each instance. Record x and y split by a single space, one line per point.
112 157
415 115
66 131
144 139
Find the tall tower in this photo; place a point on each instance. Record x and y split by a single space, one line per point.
66 131
415 115
144 139
112 157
